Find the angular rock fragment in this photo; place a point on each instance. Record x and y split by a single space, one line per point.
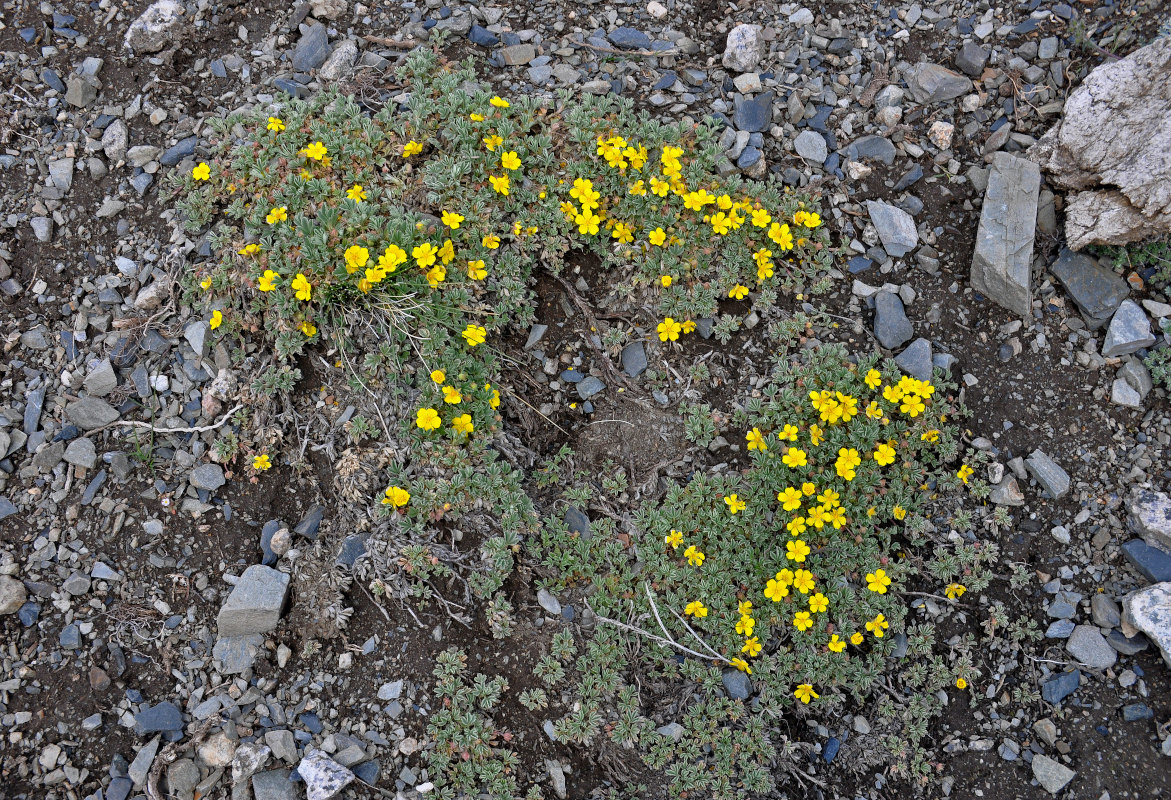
1003 257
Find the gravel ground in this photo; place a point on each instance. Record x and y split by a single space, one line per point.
144 646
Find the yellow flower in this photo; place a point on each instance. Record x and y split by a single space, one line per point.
500 185
796 550
428 419
789 498
391 258
805 693
829 498
802 621
412 148
816 435
884 454
622 232
276 124
316 151
795 457
874 411
781 235
657 237
424 254
848 459
638 189
818 602
776 590
476 117
492 142
788 433
878 626
930 436
669 329
451 395
688 326
201 171
308 328
439 376
477 270
356 258
396 496
877 581
302 287
721 223
964 473
217 319
356 193
900 513
796 526
807 218
279 214
637 156
954 591
665 280
463 424
803 581
756 440
674 538
836 645
735 504
817 517
738 292
660 187
447 252
873 379
510 160
375 275
452 220
587 222
786 576
474 335
494 400
961 684
695 609
761 218
499 102
694 556
490 241
741 665
267 279
808 489
912 405
745 608
837 517
261 462
856 639
751 646
205 284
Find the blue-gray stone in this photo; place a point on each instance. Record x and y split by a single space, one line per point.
119 788
70 637
634 361
1127 647
910 178
859 264
749 157
916 360
218 69
876 147
1059 629
28 614
367 772
572 376
737 684
830 751
310 722
91 490
353 548
52 80
666 81
589 387
753 113
629 38
179 151
34 403
891 326
1137 711
290 87
577 521
1151 562
1097 291
311 523
142 182
482 36
312 49
1060 686
162 717
270 527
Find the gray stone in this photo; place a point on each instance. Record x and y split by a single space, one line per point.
1046 472
1059 629
744 48
1098 292
179 151
737 684
517 55
1123 394
76 584
1104 611
42 228
140 767
634 361
548 602
628 38
164 716
340 61
391 691
48 457
891 326
1060 686
61 173
1007 492
1120 183
971 59
283 744
577 521
1149 610
324 778
274 785
1129 331
156 27
255 604
182 777
589 387
312 49
931 83
916 360
249 759
1150 516
1002 259
208 477
1152 563
101 379
1050 774
1089 646
81 91
811 146
90 413
196 335
878 148
536 333
12 595
753 113
236 654
896 228
1138 377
